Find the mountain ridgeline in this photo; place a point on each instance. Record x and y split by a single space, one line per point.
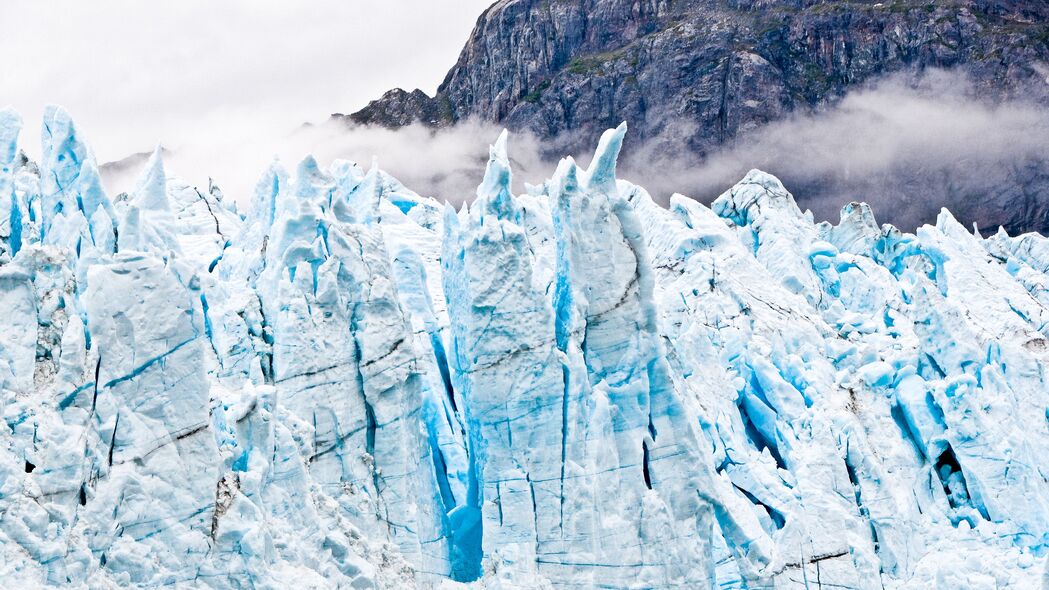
695 78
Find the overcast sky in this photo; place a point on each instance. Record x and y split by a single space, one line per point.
200 72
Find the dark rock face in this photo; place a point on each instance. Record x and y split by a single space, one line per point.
398 108
701 73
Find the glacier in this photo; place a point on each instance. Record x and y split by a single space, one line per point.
348 385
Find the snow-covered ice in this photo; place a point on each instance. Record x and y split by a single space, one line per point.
349 385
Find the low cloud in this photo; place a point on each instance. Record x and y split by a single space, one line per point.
908 146
443 163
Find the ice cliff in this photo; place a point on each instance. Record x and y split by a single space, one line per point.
352 386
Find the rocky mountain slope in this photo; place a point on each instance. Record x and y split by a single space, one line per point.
692 76
355 387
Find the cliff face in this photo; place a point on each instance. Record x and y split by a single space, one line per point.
700 73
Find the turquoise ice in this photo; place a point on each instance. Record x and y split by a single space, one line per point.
351 385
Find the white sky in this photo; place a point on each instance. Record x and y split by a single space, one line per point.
206 76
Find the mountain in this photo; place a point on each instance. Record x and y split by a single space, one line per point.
356 387
697 77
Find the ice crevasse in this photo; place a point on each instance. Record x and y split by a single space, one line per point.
352 386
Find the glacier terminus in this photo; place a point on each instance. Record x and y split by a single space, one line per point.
348 385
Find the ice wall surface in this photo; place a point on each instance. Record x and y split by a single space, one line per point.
351 386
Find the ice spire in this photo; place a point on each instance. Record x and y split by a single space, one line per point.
10 209
601 176
299 228
148 223
69 181
365 198
151 191
311 183
493 194
346 175
566 178
10 127
246 259
264 204
857 230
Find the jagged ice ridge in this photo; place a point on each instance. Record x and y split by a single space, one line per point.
353 386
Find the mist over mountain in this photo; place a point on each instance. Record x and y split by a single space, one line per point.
845 100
